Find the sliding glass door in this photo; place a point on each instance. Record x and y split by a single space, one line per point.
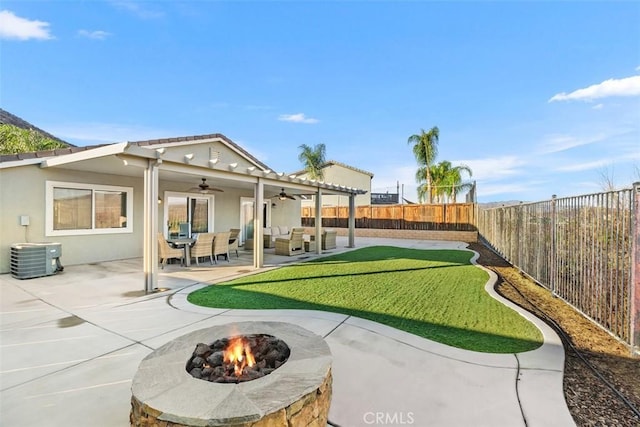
246 217
195 213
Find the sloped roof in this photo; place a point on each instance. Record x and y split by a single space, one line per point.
146 143
6 118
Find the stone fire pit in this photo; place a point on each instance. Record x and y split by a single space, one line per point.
298 393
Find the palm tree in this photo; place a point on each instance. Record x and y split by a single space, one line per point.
440 181
425 150
447 180
313 160
454 179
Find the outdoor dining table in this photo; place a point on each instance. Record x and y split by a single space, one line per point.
185 244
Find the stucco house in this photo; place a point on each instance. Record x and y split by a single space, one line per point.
109 202
342 174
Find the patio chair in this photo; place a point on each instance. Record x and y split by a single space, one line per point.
221 245
291 245
166 252
203 247
235 234
327 239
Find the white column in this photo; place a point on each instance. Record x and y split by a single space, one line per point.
352 220
258 208
150 226
319 221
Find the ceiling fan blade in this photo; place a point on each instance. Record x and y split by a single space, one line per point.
204 188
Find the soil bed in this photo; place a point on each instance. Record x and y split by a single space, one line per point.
590 401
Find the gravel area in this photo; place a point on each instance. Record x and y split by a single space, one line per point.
590 400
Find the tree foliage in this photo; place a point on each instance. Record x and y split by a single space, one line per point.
15 140
313 158
439 182
447 181
425 150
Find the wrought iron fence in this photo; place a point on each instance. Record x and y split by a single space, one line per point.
585 249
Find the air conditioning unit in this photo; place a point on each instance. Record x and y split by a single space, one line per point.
29 260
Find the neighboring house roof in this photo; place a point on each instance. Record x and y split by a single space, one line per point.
165 141
336 163
6 118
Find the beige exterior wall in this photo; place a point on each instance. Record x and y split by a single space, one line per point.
337 174
285 212
22 192
205 151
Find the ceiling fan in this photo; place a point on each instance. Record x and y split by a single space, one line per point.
204 188
284 196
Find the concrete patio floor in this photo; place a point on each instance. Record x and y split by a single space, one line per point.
71 343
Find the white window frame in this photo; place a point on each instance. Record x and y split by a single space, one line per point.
49 230
210 197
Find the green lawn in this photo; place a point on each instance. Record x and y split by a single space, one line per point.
436 294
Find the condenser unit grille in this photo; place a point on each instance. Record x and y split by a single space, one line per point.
29 260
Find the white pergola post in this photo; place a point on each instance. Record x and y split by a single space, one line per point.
258 245
352 221
319 221
150 226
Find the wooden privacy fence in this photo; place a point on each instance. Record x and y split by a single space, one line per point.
585 249
454 217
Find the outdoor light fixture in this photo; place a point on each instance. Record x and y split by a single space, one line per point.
213 161
188 157
233 165
160 150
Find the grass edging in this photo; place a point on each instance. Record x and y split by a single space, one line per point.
435 294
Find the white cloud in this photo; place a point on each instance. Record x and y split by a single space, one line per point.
297 118
15 27
98 34
137 9
485 190
576 167
629 86
625 155
598 106
494 168
557 143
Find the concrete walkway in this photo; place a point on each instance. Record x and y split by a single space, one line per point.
71 343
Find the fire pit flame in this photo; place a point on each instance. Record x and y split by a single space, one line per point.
239 353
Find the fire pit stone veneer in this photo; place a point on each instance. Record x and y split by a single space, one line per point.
298 393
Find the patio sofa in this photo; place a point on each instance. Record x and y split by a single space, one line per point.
275 232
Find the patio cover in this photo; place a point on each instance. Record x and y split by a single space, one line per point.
150 162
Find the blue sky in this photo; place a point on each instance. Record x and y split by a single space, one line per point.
538 98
